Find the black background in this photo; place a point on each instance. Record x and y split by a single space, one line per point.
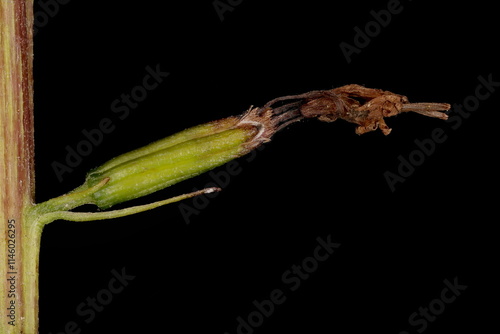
313 179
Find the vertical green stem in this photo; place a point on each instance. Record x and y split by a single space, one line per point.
19 240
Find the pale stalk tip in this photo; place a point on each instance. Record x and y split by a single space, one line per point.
211 190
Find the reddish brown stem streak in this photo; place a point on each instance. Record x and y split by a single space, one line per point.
19 242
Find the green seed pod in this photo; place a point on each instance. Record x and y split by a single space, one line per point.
173 159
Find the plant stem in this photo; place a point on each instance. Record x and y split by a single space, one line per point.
19 240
